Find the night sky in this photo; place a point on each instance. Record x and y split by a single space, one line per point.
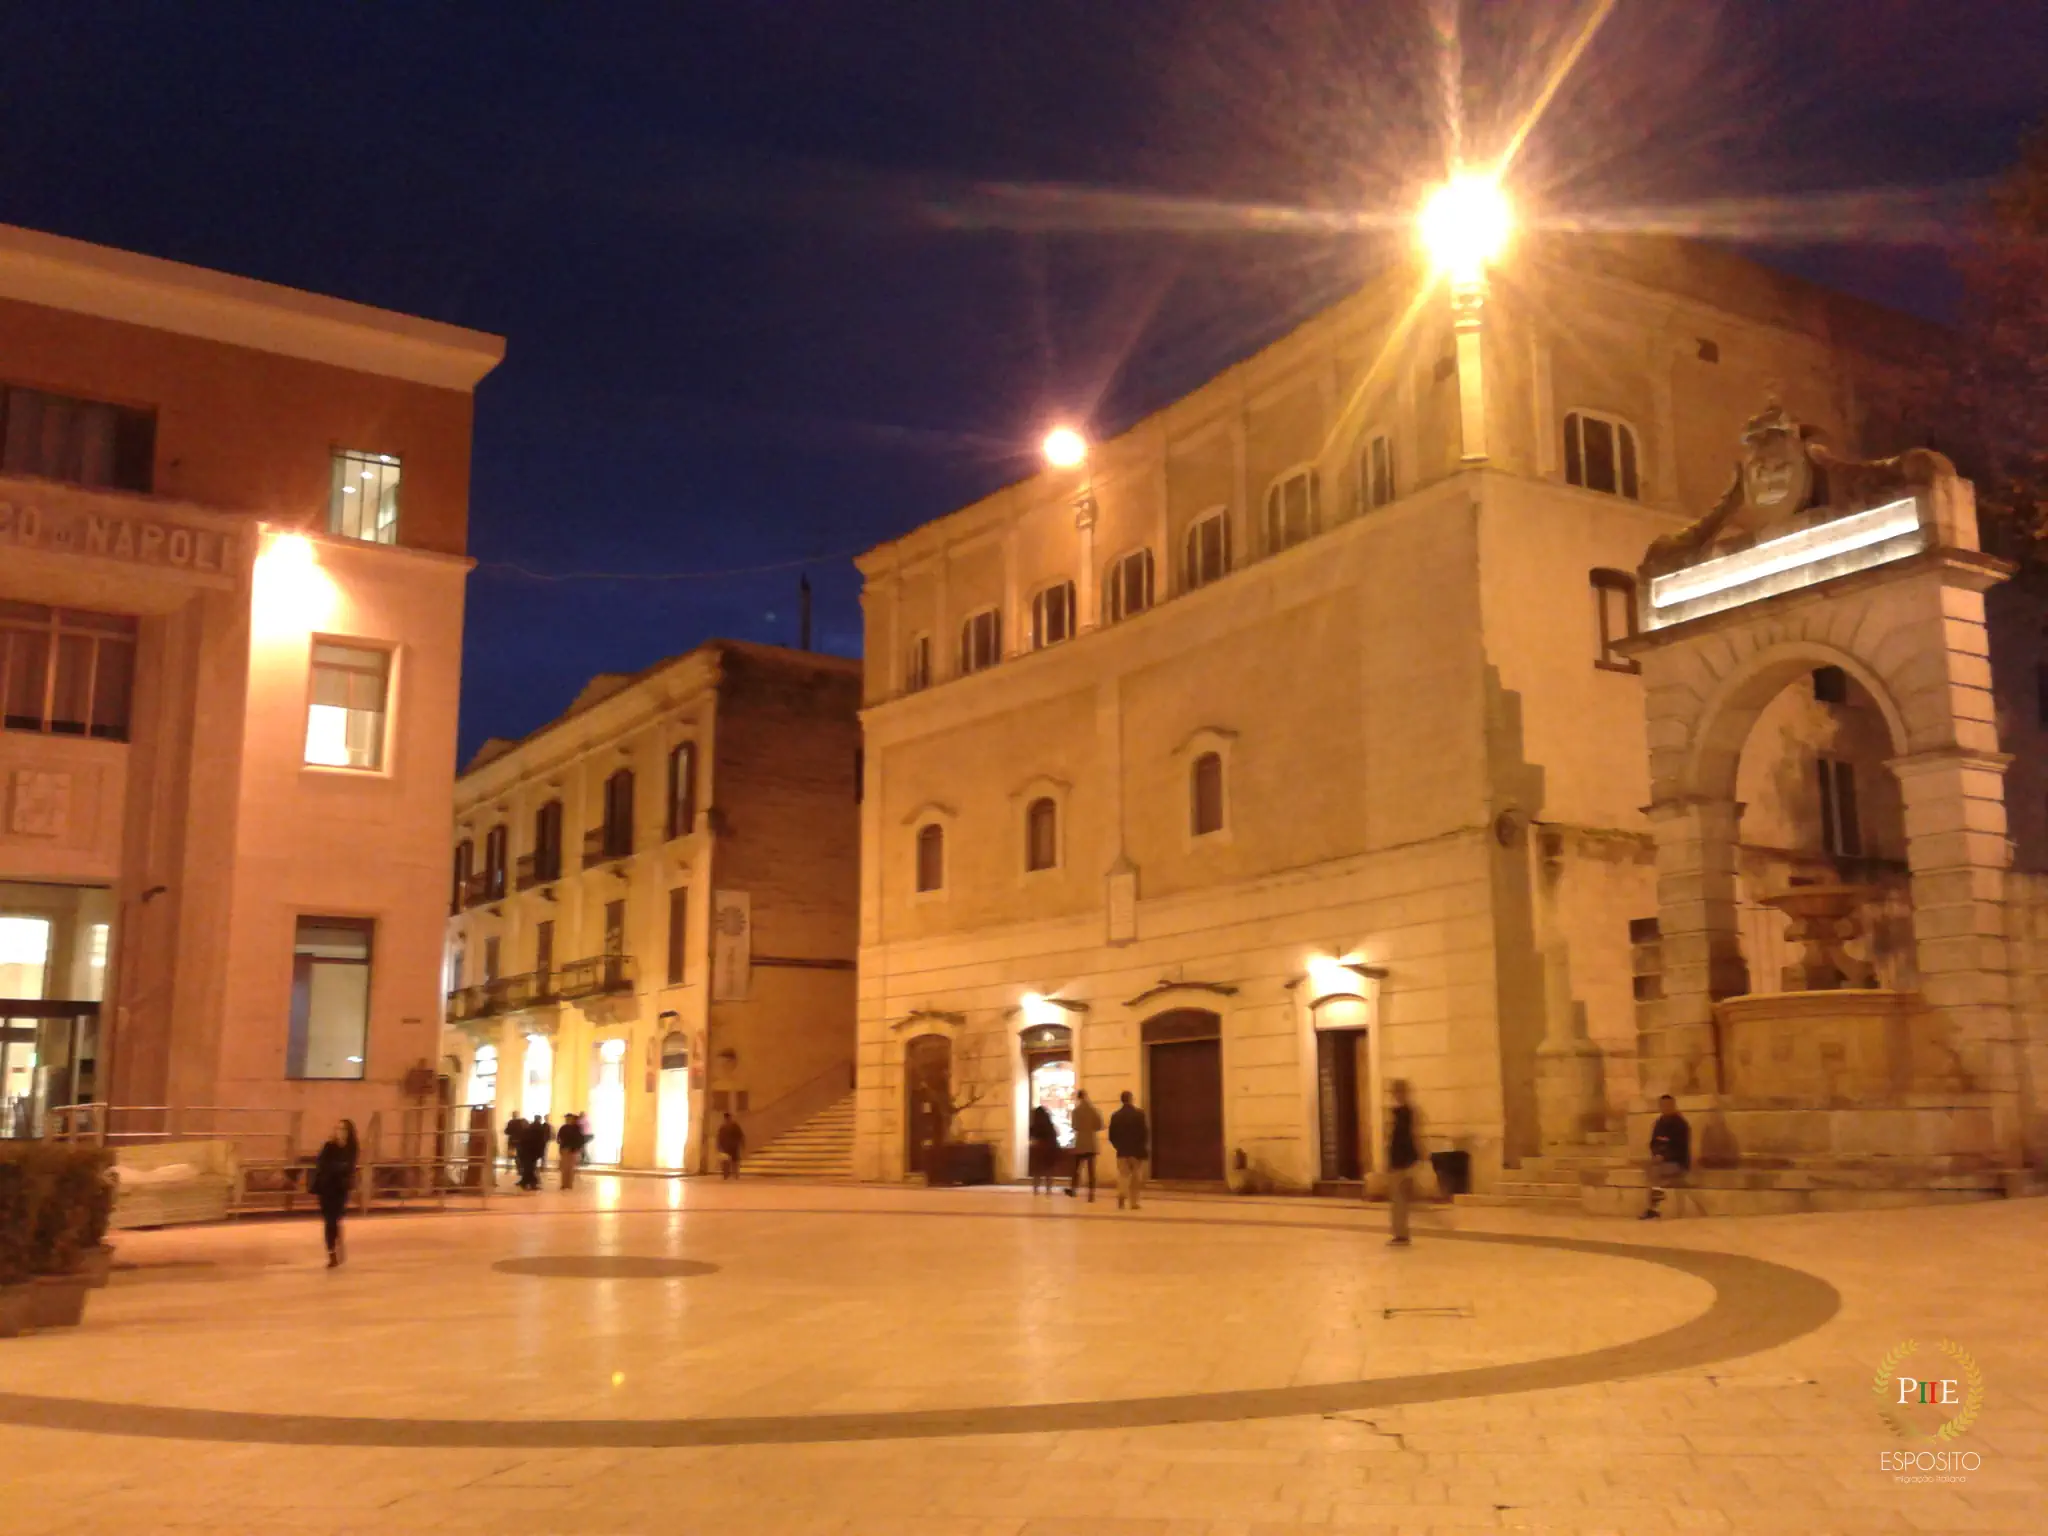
782 280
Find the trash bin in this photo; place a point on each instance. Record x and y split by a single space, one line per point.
1453 1172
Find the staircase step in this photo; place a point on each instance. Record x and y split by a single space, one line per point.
821 1147
1500 1200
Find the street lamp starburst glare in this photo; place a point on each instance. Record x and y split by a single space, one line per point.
1465 226
1065 448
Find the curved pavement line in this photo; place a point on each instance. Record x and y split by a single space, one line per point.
1758 1305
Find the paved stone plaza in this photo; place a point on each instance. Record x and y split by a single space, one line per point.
657 1356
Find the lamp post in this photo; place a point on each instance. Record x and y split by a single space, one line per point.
1464 226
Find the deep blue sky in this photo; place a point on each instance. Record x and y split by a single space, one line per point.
774 282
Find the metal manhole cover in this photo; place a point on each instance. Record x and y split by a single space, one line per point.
623 1266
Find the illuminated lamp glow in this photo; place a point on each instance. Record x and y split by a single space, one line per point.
1331 977
290 593
1065 448
1040 1010
1465 225
1773 557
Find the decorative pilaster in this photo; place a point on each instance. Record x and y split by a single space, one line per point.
1700 941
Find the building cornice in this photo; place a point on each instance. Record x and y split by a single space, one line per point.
86 279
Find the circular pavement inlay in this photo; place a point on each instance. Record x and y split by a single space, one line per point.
622 1266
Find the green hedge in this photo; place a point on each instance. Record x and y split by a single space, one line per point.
55 1201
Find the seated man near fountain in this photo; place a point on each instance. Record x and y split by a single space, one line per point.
1670 1153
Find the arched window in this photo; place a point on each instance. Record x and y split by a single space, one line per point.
1127 586
1294 510
1600 454
1205 794
1207 556
1042 834
1052 615
931 857
682 789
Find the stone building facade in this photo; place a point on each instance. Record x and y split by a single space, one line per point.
1291 745
653 907
233 522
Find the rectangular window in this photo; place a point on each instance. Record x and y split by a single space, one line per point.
917 665
547 842
1052 616
1841 835
1127 591
362 501
345 720
682 789
497 842
615 927
1614 602
544 948
65 671
491 950
1600 454
81 442
981 640
678 930
1376 472
1208 550
330 1017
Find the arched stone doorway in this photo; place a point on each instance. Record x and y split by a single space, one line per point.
1184 1093
927 1096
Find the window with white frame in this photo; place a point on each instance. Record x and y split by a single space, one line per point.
1206 557
1052 615
345 717
1127 586
1600 454
1614 612
981 640
362 501
1294 510
1376 473
917 664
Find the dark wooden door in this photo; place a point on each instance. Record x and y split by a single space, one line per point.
1186 1100
928 1089
1338 1071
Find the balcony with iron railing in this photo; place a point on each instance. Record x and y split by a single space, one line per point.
596 976
542 867
602 845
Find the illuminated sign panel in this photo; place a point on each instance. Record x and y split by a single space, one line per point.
1786 563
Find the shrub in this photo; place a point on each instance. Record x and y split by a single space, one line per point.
17 1222
62 1201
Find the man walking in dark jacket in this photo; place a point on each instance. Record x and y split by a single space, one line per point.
515 1145
1670 1153
732 1141
535 1144
1129 1136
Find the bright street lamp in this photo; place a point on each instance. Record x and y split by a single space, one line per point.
1465 226
1065 448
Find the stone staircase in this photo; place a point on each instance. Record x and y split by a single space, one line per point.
820 1148
1552 1182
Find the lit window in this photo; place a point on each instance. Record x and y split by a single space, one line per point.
65 671
1841 835
1614 609
483 1076
931 858
345 721
1208 550
1127 590
1600 454
917 665
1042 835
1376 473
330 1000
1052 615
362 501
1205 794
981 640
1294 510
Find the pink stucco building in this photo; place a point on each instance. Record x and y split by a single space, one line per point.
232 533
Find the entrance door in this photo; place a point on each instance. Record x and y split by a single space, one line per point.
928 1092
1184 1074
608 1102
672 1107
54 947
1340 1070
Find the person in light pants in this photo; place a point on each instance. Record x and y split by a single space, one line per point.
1129 1137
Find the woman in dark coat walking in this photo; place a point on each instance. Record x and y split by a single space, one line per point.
334 1180
1044 1138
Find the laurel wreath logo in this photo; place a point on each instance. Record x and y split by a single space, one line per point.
1966 1414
